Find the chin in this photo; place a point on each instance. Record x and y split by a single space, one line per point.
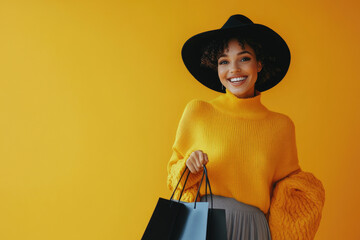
237 91
241 92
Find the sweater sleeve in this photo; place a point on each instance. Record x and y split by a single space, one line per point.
296 207
181 151
288 157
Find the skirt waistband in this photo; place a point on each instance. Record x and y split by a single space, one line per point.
230 204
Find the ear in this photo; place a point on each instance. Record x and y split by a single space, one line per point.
259 66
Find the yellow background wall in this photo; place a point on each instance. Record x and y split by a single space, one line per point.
91 93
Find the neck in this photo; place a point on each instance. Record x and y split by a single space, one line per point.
250 107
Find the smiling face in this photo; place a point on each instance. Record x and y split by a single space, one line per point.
238 69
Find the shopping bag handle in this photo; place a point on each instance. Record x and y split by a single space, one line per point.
182 190
172 195
207 184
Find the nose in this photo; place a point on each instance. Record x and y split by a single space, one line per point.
234 67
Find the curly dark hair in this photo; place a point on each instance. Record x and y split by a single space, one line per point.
212 51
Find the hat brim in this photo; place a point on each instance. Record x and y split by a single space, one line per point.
273 45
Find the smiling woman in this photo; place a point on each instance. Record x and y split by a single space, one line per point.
249 151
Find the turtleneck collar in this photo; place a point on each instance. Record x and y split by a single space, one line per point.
242 107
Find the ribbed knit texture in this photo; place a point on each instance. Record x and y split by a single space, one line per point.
296 207
249 148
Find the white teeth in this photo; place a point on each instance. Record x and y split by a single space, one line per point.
237 79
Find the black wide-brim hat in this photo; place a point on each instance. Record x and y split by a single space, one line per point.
273 45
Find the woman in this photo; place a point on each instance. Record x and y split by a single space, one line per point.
247 148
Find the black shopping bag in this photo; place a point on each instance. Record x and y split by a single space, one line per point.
177 220
163 220
216 227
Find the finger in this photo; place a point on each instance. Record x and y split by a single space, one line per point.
195 165
202 159
191 167
198 163
197 159
206 159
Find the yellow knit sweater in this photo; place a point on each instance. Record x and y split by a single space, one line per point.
249 148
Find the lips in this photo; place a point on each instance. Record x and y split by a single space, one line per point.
237 78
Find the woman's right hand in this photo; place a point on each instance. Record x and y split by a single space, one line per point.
196 160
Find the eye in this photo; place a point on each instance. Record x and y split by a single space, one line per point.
245 59
222 62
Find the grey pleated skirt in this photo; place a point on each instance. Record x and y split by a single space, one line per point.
243 221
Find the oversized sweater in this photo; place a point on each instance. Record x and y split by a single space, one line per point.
249 149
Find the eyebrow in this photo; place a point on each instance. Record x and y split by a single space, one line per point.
224 55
